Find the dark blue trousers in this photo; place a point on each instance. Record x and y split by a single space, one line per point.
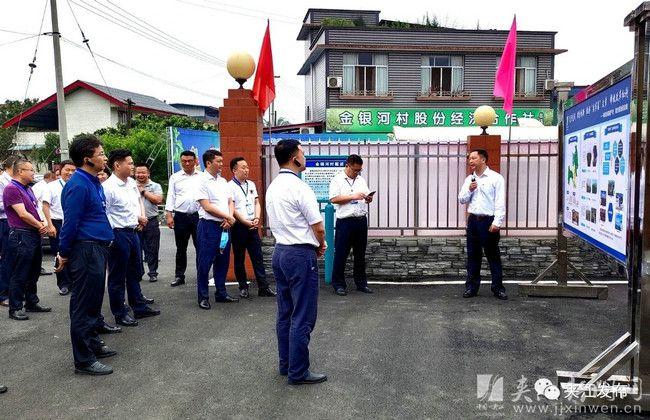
296 275
87 270
480 239
4 273
185 226
62 277
209 238
25 257
125 271
351 234
244 239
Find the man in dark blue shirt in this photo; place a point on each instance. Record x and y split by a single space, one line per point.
83 247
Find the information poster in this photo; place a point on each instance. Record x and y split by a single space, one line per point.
197 141
596 168
320 171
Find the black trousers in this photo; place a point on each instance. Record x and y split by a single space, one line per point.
150 242
244 239
87 269
480 239
184 228
62 277
351 233
25 256
4 265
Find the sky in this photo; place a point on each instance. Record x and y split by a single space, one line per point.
207 31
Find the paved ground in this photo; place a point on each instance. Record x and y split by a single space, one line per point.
408 352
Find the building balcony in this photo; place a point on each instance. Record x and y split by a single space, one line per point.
434 96
369 95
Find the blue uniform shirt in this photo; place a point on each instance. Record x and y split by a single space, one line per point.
84 210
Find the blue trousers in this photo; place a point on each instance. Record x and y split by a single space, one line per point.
125 271
296 275
4 272
480 239
209 238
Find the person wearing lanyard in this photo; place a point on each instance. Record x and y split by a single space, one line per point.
5 179
24 250
484 192
215 219
245 233
350 195
54 215
125 212
182 210
296 223
83 248
152 194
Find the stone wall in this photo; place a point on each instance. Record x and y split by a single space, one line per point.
436 258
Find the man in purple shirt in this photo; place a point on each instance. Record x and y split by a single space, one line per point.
24 248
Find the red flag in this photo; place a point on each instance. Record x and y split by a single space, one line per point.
504 81
264 85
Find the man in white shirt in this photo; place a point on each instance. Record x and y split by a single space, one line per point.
53 213
245 233
152 195
296 224
182 210
5 179
125 212
350 195
215 219
484 192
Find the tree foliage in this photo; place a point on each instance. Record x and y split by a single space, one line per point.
8 110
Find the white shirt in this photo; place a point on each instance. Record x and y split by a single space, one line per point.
488 199
52 196
244 195
292 209
123 204
341 184
216 190
5 179
39 190
181 194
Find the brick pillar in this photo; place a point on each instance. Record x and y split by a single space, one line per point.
240 128
490 143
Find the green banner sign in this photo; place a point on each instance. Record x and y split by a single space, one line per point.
379 120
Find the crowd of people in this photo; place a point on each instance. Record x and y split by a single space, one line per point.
101 215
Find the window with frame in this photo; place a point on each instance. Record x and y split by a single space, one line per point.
365 74
525 75
442 75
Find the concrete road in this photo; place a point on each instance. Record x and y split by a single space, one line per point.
404 352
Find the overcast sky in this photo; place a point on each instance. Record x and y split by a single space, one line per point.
593 32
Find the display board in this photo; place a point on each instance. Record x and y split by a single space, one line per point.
198 141
319 172
597 168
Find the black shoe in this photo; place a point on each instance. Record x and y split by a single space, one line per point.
64 291
95 369
227 299
365 289
37 308
267 292
18 315
501 295
3 389
147 300
45 273
146 313
104 352
311 378
469 293
108 329
341 292
153 279
244 294
204 304
177 282
126 321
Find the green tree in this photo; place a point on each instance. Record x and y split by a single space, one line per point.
49 152
8 110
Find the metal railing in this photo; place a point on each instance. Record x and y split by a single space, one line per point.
417 184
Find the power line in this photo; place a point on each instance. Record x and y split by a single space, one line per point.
18 40
293 22
9 31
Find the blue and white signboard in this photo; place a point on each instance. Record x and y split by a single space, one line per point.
320 171
597 167
197 141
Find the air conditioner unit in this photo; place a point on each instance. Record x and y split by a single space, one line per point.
334 82
307 130
549 84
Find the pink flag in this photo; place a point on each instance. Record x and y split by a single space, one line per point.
504 80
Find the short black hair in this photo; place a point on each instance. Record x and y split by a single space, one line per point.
18 162
117 155
188 153
209 155
481 152
354 160
235 161
285 150
83 146
143 165
66 162
9 161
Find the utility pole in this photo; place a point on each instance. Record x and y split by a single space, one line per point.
60 97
